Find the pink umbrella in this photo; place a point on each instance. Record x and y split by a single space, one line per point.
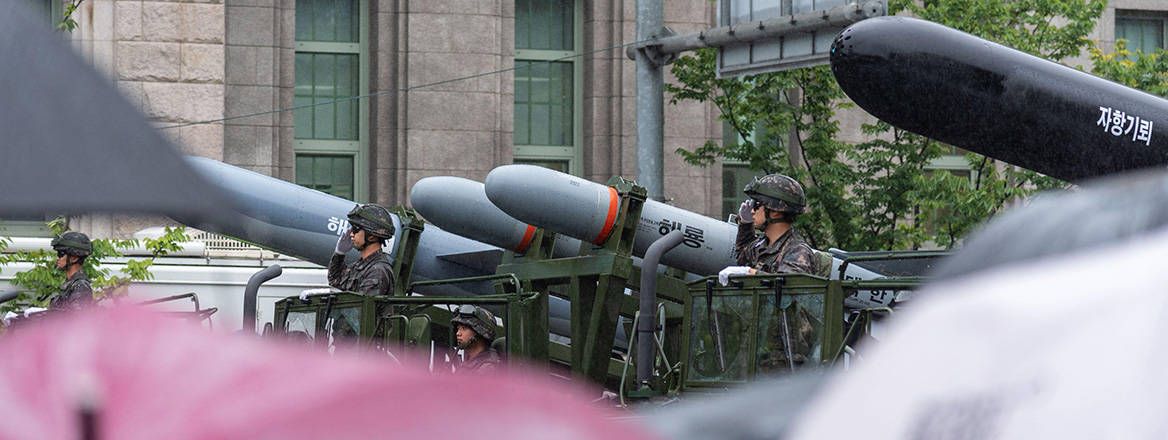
141 375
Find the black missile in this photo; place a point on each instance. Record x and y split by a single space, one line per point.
1006 104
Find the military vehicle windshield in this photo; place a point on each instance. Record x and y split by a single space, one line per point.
344 322
798 327
720 338
301 325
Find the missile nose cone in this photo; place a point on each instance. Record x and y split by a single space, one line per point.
560 202
460 206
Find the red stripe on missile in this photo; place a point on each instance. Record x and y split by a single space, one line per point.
526 239
608 222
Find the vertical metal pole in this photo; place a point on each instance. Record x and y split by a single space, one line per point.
650 104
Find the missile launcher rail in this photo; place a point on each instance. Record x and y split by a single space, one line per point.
708 337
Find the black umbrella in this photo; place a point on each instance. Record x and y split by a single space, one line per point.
69 143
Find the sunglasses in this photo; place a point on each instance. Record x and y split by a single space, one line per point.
60 254
354 228
755 204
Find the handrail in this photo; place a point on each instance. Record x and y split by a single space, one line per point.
191 295
901 255
510 276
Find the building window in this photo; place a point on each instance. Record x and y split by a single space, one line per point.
330 65
330 174
548 94
735 176
1144 31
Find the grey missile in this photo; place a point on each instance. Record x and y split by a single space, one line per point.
306 223
576 207
461 206
587 210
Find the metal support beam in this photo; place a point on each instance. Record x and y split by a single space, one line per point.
753 31
650 103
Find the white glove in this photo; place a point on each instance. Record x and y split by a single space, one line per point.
724 275
746 212
304 293
345 243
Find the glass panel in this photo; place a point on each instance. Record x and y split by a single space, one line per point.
342 177
345 323
522 124
329 174
300 326
567 10
543 104
540 125
539 25
719 341
346 15
304 10
304 170
795 330
321 79
556 126
324 21
558 165
323 119
544 24
1143 34
522 24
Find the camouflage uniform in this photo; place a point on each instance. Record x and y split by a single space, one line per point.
803 331
76 293
487 361
788 254
372 275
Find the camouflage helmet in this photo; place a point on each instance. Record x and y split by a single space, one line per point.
778 193
373 219
481 320
73 243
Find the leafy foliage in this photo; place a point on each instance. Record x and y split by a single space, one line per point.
44 279
1144 71
879 194
67 22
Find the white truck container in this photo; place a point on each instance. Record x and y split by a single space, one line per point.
215 269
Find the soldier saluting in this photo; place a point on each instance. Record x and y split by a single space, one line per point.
773 203
76 292
369 227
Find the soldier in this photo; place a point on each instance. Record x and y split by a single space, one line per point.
369 227
474 330
773 203
76 292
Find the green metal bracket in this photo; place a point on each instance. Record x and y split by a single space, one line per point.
632 200
407 247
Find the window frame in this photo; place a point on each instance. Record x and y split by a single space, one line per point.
573 154
1138 14
358 149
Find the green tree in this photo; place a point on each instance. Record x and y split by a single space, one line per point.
44 279
1143 71
879 194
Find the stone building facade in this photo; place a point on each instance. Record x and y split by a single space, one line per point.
557 99
191 61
